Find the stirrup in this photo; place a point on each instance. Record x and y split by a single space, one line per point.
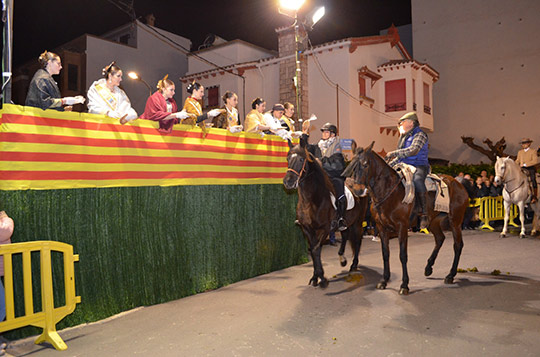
341 224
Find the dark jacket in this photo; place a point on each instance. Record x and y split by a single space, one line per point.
43 92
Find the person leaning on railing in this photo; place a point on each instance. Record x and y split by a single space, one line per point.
193 106
255 122
161 106
43 91
229 118
107 98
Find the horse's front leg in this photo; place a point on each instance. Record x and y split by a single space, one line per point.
458 248
342 258
521 206
315 250
385 249
506 215
403 257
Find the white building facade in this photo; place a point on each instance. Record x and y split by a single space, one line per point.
363 85
138 47
488 56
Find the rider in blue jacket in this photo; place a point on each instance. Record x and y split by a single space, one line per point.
413 150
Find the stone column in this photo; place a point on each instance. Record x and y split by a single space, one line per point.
287 69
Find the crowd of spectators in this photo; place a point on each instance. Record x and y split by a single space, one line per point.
481 186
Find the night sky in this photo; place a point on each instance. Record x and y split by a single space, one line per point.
46 24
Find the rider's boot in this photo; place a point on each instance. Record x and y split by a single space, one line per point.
424 221
534 198
341 206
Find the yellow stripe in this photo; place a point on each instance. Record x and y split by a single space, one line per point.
96 134
75 166
105 151
103 119
67 184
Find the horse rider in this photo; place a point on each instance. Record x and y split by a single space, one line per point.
528 159
413 150
333 163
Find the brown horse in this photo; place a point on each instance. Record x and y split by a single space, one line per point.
315 211
392 215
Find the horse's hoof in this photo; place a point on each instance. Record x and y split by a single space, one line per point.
428 271
381 285
502 235
449 280
521 235
353 268
324 283
313 281
404 291
342 260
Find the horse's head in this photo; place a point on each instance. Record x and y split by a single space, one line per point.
297 160
359 166
501 167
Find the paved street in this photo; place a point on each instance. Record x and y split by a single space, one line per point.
278 314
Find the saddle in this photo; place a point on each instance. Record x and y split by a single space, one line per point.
433 184
348 195
351 191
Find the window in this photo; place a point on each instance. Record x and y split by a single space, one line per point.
124 39
427 103
73 77
395 95
362 85
414 95
212 95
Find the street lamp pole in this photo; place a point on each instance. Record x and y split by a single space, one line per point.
298 72
135 76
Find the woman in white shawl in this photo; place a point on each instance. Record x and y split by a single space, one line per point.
105 97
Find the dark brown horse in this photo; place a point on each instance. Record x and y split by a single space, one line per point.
315 211
392 215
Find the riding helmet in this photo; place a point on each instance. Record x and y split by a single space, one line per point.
330 127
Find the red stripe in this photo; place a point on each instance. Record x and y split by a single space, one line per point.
130 175
112 127
119 159
133 144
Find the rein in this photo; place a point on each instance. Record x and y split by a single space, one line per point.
299 174
521 184
377 203
513 179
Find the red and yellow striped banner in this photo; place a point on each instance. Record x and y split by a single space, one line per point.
57 150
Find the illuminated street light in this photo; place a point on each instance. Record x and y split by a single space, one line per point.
294 5
135 76
314 17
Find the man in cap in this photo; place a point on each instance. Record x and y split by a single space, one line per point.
527 159
413 150
333 163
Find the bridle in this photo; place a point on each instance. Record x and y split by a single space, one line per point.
377 203
506 182
298 173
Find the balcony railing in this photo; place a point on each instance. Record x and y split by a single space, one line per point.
396 107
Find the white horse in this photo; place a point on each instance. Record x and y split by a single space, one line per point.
516 189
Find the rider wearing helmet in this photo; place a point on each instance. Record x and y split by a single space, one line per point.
413 150
334 164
